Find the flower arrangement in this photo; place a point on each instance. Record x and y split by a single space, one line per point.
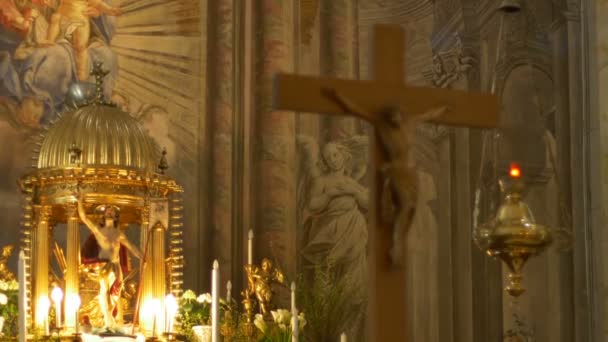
281 330
193 310
9 309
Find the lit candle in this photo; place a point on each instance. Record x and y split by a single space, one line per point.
42 313
215 284
170 311
57 297
250 248
22 298
343 337
72 304
228 292
75 307
156 309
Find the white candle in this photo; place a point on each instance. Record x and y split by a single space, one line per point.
75 304
171 308
343 337
22 298
215 285
295 326
228 292
250 248
156 311
57 297
294 314
42 313
293 296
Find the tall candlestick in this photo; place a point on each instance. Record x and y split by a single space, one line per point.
57 297
250 248
215 302
343 337
22 298
228 292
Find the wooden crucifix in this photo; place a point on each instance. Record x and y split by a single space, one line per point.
393 109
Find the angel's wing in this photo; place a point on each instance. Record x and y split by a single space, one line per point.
308 169
358 147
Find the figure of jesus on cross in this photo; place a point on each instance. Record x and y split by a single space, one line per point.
394 110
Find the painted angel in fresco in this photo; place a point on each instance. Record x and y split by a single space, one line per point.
46 49
331 203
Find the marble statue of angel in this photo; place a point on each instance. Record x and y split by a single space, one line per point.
331 203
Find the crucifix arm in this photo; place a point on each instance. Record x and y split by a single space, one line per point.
87 222
346 104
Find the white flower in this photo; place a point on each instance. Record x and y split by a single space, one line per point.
189 295
3 285
281 316
259 323
282 326
204 298
301 321
3 299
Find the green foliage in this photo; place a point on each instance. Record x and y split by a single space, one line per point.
328 303
9 309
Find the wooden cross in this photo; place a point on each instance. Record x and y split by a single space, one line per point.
387 302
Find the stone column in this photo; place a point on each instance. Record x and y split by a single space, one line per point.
338 52
72 254
41 260
274 157
222 99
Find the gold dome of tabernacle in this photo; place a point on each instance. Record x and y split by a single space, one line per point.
105 137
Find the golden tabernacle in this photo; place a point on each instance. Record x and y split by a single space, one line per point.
97 168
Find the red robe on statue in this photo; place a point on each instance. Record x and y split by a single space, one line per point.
90 255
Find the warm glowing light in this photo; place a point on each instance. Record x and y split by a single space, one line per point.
515 171
42 313
171 308
57 297
56 294
72 304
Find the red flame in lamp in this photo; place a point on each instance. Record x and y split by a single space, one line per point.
514 171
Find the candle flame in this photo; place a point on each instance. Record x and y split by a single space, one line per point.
515 171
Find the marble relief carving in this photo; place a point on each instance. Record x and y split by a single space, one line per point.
448 66
332 205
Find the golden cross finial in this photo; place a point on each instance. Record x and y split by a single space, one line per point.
99 74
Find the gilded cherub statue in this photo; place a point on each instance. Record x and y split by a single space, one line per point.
5 272
259 280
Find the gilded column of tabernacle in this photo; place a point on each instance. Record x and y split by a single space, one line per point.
274 137
41 261
72 252
222 114
146 278
338 49
159 281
